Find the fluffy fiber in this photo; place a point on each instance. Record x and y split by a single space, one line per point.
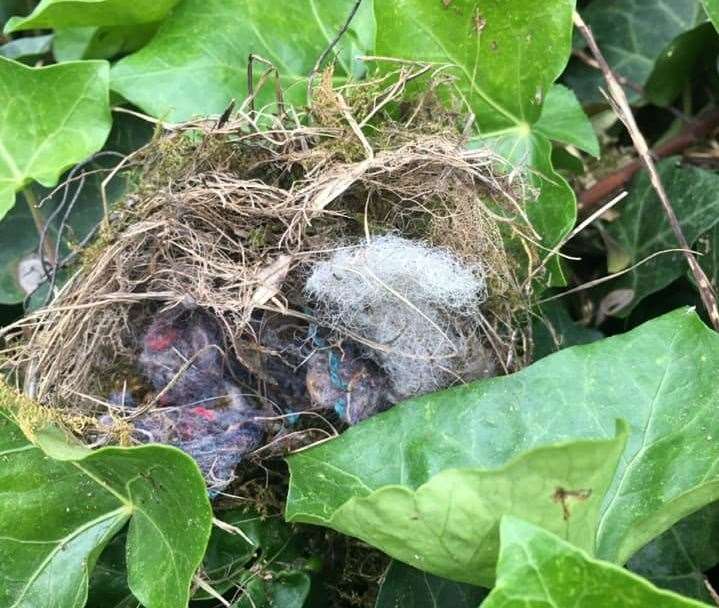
415 302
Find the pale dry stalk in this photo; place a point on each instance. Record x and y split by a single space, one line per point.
621 106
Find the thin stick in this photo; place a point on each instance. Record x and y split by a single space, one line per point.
627 117
328 50
712 592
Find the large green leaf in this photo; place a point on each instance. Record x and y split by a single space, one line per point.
678 558
56 516
506 55
197 62
642 229
79 13
407 587
537 568
448 526
632 34
42 134
659 377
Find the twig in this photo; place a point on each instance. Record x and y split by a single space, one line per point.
624 111
695 131
712 592
328 50
40 224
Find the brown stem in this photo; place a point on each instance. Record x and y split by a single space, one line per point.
624 111
695 131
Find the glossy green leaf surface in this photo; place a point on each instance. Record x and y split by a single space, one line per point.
643 229
41 135
677 559
506 56
555 329
674 67
73 43
536 568
631 34
407 587
563 120
80 13
651 377
56 517
448 525
27 48
192 68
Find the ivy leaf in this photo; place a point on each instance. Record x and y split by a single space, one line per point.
631 34
563 120
40 134
56 516
506 55
555 329
673 68
80 13
665 391
643 229
678 558
448 525
538 568
407 587
209 67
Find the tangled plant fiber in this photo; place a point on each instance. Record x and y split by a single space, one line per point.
420 302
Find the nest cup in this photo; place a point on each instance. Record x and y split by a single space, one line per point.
231 227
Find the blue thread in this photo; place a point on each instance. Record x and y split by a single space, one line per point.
341 407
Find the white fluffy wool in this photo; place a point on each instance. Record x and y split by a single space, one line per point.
419 302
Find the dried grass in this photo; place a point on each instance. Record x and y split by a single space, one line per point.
229 218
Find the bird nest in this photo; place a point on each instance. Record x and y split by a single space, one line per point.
268 282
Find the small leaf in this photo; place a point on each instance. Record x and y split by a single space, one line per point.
209 66
83 13
642 228
536 568
563 120
27 48
660 378
677 559
555 329
673 68
42 134
407 587
57 516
